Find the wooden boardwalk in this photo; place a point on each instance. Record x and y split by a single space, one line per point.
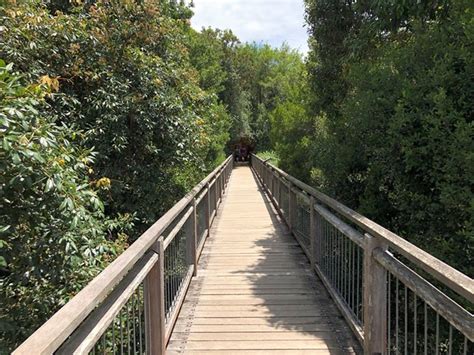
255 292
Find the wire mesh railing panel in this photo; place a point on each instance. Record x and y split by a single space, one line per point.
341 262
176 267
403 302
126 333
414 327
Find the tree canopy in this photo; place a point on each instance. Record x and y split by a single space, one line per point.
111 110
387 127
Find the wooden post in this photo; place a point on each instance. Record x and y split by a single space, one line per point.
216 192
221 184
270 180
191 239
375 300
265 175
313 236
291 206
155 304
208 218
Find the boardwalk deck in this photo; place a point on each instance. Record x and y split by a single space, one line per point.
254 292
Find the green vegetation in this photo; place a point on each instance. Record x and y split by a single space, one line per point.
270 156
112 110
388 130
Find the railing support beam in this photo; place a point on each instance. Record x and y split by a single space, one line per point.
291 207
192 236
375 299
155 304
208 216
313 234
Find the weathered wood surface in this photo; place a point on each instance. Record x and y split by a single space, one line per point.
456 280
254 292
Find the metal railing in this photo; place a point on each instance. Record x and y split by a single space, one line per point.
374 276
131 306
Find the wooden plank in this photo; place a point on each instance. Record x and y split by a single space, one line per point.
261 301
257 328
262 313
456 280
276 309
255 285
319 344
261 292
343 351
264 336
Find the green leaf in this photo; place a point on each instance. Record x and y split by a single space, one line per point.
49 185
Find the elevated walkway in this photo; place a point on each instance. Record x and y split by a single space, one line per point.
254 261
254 291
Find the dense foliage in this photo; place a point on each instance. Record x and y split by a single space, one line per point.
52 218
389 129
111 110
251 80
104 124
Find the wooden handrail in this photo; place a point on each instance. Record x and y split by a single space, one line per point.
446 307
332 229
449 276
52 334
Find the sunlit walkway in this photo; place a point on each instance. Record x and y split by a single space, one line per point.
255 292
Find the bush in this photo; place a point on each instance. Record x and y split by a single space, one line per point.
54 235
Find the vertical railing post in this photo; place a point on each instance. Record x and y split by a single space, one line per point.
291 206
264 174
191 240
155 304
219 185
216 194
221 188
221 179
375 300
313 235
272 181
208 217
218 191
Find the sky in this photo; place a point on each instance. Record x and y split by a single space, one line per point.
262 21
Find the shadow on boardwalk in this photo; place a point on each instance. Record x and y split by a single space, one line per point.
255 292
294 297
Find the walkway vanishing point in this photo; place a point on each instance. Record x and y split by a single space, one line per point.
253 261
254 288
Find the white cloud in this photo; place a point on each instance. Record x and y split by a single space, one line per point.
266 21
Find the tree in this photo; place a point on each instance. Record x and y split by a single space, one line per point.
51 215
393 103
